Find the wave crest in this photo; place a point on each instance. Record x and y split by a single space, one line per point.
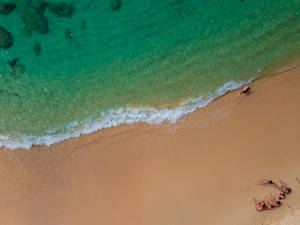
114 118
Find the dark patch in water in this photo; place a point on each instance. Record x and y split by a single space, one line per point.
39 5
6 39
115 4
34 19
62 9
37 48
13 62
6 8
5 93
69 36
42 8
16 95
16 68
83 25
2 92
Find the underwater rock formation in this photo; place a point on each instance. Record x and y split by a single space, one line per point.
115 4
16 68
13 62
4 93
6 8
34 19
62 9
40 5
69 37
37 48
6 39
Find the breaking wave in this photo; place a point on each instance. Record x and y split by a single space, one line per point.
114 118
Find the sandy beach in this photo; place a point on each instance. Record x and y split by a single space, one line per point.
201 170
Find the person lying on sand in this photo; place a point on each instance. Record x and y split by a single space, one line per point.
273 201
266 181
283 187
259 205
268 202
280 190
279 194
245 90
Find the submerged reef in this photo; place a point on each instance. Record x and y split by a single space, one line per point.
37 48
40 5
115 4
62 9
6 39
6 8
4 93
13 62
16 68
34 19
69 37
32 15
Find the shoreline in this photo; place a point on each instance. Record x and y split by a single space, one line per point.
201 170
132 116
129 116
123 116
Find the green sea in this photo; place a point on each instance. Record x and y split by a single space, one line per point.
108 62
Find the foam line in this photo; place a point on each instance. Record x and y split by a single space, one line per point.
114 118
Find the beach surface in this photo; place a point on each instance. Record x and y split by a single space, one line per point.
201 170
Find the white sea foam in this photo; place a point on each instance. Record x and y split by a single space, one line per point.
115 118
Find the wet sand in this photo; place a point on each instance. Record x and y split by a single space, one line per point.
201 170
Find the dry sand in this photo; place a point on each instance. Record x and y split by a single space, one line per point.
201 170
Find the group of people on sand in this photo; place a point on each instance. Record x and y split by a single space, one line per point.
272 200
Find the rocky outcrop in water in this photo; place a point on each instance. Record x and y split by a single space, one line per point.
13 62
69 37
6 39
62 9
34 19
115 4
37 48
6 8
4 93
16 68
40 5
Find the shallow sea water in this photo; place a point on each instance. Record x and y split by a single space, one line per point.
148 61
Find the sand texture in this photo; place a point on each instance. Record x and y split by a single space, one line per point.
201 170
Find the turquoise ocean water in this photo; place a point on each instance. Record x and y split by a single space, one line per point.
146 61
